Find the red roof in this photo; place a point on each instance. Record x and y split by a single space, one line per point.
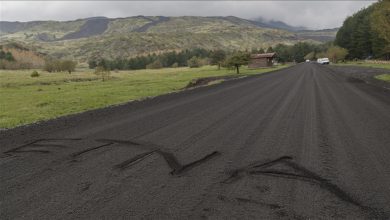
263 55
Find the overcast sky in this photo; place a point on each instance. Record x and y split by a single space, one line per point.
312 14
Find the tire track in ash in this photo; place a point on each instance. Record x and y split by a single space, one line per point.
172 115
302 174
190 140
327 154
259 94
293 102
223 101
247 125
272 132
44 145
356 151
172 161
217 123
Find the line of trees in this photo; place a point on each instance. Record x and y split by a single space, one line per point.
6 55
366 34
198 57
54 65
168 59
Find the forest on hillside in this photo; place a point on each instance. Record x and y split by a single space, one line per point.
366 34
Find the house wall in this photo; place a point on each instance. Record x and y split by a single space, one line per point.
260 62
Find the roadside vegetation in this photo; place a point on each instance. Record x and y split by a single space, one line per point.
27 97
366 34
368 63
384 77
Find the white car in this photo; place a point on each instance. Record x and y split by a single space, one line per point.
323 60
307 61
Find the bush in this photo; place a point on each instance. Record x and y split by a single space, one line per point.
68 65
194 62
155 65
60 66
175 65
34 74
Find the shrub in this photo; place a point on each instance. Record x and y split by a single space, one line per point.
68 65
155 65
175 65
60 66
194 62
34 74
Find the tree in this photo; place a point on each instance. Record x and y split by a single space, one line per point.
68 65
217 58
270 50
49 66
256 50
53 65
381 19
261 50
155 65
8 56
102 72
366 34
92 64
380 23
284 53
299 51
194 62
237 60
337 53
310 56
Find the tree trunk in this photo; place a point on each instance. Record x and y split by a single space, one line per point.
219 66
238 69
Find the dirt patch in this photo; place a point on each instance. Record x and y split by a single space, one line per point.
208 80
355 80
358 74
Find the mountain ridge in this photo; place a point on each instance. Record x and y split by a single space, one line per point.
131 36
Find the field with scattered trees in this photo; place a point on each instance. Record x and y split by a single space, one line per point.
31 98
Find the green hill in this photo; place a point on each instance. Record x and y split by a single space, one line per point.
127 37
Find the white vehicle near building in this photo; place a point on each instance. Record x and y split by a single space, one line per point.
323 60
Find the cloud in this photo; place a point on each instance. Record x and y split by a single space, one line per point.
312 14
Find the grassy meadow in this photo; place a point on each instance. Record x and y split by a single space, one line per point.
25 99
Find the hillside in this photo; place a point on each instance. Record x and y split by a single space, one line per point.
127 37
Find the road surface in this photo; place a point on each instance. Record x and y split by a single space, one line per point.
307 141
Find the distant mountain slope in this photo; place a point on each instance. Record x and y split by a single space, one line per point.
152 23
91 27
131 36
7 27
277 25
318 35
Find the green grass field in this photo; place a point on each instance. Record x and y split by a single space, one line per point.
25 99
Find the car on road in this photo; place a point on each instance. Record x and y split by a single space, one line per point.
307 61
323 60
